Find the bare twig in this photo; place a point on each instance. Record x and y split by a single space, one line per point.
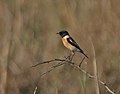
52 68
43 63
93 77
71 63
81 62
49 61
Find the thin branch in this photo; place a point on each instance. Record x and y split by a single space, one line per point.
81 62
43 63
49 61
52 68
68 62
93 77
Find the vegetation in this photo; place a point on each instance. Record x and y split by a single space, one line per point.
28 35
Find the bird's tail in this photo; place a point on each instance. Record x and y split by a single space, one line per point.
81 51
84 54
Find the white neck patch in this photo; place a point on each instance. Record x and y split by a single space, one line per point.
65 37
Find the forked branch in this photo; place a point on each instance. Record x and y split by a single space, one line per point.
74 65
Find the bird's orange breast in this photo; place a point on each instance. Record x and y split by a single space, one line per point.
68 45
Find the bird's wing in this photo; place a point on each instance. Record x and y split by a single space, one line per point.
72 42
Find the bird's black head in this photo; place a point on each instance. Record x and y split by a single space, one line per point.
63 33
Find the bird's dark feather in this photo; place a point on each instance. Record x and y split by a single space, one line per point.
72 42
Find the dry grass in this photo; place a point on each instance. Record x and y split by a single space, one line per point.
95 69
28 35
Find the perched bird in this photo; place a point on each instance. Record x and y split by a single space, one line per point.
70 43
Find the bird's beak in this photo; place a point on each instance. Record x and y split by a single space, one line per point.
57 33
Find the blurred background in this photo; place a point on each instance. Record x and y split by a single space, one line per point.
28 35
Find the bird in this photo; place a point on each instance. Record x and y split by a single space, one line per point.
70 43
